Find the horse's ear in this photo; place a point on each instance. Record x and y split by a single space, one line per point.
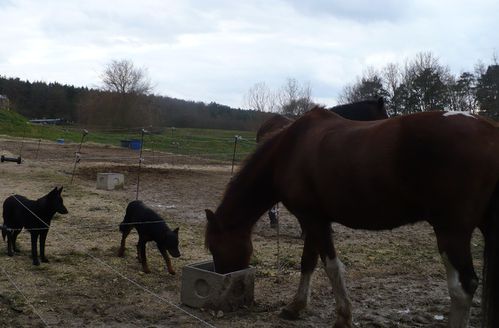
53 191
60 190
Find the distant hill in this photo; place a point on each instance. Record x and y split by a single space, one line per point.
85 106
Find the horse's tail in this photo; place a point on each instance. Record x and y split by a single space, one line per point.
490 293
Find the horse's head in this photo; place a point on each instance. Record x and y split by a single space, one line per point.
231 248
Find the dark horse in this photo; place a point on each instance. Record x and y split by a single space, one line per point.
433 166
367 110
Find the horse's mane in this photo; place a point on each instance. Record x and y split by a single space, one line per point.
254 171
259 158
252 161
247 168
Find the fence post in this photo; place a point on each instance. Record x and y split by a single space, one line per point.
38 148
152 149
140 162
77 154
236 137
22 140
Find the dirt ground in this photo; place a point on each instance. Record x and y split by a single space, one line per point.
395 278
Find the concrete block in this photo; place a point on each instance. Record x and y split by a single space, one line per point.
110 181
202 287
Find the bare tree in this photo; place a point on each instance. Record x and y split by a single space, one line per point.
292 98
123 77
392 78
295 99
369 86
261 98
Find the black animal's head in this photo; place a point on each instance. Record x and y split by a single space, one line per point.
172 243
54 198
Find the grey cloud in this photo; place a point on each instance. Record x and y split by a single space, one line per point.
363 11
99 26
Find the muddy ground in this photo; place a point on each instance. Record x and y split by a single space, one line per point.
395 278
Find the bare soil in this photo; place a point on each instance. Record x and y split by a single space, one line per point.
395 278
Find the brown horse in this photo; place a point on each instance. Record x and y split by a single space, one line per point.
367 110
433 166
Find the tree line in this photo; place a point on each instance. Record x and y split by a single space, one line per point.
125 98
124 101
423 84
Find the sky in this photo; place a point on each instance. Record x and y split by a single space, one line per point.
216 50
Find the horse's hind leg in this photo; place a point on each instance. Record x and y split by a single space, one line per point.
462 280
308 263
335 270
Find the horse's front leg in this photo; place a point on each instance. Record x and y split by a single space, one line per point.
335 271
308 263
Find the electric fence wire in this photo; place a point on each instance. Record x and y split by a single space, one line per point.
25 298
102 263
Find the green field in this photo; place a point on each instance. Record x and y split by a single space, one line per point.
206 143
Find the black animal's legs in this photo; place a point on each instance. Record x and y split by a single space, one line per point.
14 240
34 251
43 237
141 252
168 262
10 242
124 234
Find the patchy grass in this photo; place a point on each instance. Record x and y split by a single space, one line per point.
207 143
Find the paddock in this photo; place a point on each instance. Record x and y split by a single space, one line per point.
394 278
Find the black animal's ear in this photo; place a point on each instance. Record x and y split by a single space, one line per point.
210 216
381 102
60 190
175 231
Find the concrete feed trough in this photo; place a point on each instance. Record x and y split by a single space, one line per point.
110 181
202 287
